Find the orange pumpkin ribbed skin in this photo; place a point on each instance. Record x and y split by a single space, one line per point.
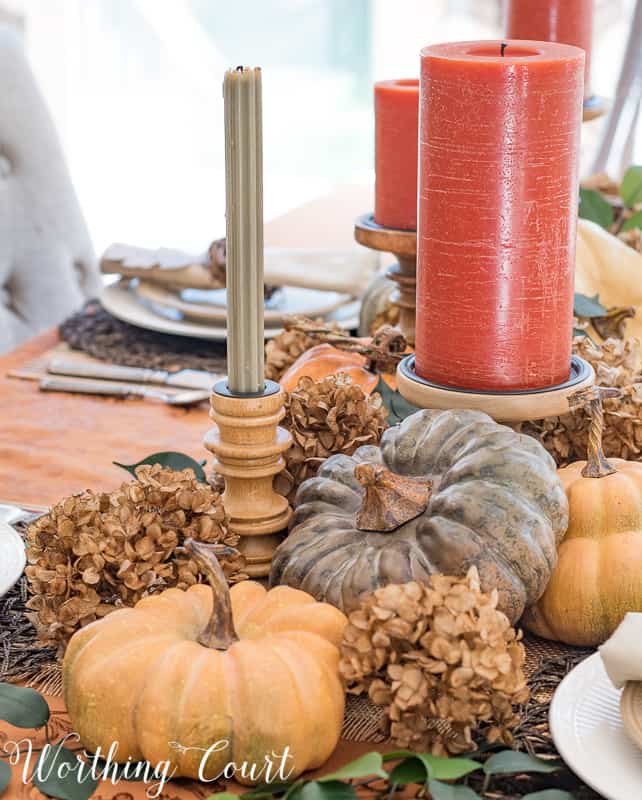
140 678
323 360
598 577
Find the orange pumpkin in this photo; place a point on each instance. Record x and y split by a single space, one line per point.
598 577
172 677
322 360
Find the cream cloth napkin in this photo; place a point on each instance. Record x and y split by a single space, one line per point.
622 653
334 270
606 266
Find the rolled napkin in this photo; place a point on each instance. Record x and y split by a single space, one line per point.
622 653
336 270
608 267
165 266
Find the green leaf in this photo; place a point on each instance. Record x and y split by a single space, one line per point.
446 791
632 222
396 755
5 776
69 785
595 208
330 790
266 790
368 764
549 794
450 769
397 406
24 708
412 770
225 796
631 187
587 307
177 461
419 767
509 762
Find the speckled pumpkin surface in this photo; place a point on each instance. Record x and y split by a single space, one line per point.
496 502
250 673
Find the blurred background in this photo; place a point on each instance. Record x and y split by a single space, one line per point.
134 87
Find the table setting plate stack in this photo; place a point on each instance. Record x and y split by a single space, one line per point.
169 291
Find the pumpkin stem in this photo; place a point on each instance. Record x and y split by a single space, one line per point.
390 500
219 633
597 465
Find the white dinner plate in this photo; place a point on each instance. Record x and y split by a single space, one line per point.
124 304
210 306
12 557
588 732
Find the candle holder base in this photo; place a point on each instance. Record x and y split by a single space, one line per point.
517 406
594 107
248 446
403 245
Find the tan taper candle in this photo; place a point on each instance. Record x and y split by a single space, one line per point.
244 199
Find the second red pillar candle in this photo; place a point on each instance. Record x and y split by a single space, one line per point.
498 188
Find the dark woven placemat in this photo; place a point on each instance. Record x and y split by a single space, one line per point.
96 332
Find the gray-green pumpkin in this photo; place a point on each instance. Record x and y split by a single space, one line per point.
496 502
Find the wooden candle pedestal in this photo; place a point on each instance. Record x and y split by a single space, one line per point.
403 245
518 406
248 446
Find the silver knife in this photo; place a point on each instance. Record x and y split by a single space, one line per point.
185 378
187 397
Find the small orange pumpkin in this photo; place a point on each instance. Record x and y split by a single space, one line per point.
323 360
250 670
598 577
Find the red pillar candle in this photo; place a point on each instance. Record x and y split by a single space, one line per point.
396 132
565 21
498 187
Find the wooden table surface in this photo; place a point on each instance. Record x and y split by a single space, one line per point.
52 445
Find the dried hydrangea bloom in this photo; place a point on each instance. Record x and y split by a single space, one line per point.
329 416
95 552
616 363
441 659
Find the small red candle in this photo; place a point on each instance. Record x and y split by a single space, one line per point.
396 132
498 177
566 21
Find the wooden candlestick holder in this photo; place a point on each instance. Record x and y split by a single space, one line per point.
511 406
248 446
403 245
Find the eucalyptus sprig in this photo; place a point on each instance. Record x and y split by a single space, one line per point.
433 776
373 774
595 207
28 709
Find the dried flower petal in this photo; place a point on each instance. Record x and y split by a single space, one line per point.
329 416
95 552
440 659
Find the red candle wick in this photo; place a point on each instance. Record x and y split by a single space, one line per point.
503 47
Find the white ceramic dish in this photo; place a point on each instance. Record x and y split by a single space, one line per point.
125 305
12 557
589 734
210 307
